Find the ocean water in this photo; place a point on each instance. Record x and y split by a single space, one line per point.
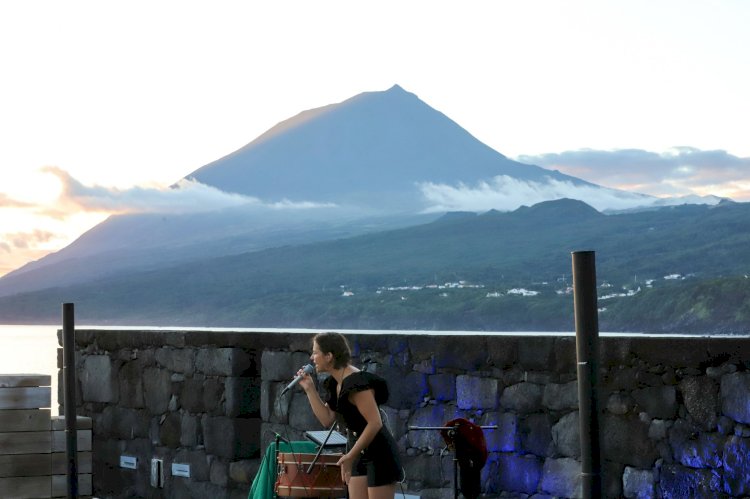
30 349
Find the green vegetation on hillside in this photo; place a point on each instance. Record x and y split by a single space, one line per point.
707 306
302 286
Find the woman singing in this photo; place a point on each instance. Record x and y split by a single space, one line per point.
371 467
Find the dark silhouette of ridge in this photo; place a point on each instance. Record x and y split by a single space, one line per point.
559 209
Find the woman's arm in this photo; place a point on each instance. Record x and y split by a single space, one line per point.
321 410
365 402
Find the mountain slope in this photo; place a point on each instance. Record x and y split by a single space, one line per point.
134 243
301 285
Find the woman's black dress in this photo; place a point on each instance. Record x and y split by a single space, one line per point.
380 460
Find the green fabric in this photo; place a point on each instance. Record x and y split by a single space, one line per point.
264 481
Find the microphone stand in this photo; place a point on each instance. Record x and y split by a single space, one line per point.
276 461
452 433
322 446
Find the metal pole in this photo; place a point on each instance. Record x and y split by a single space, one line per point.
587 352
69 397
455 473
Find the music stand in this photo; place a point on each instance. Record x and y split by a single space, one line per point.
335 439
323 444
452 430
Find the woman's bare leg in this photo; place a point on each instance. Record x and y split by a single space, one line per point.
358 487
382 492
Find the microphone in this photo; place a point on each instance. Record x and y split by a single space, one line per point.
308 369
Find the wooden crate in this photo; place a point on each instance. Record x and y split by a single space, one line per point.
25 436
25 487
12 465
13 420
60 463
60 485
31 380
59 443
33 444
26 442
25 391
60 459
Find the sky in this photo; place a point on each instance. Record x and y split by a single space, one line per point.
103 105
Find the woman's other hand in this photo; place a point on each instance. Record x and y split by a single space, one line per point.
346 462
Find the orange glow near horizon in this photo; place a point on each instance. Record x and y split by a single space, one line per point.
35 221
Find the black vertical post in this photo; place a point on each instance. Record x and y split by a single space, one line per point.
587 353
69 398
455 467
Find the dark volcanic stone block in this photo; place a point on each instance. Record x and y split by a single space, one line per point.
560 397
231 438
170 430
677 482
99 379
561 477
242 397
522 397
675 352
465 353
735 396
701 398
625 439
536 434
565 355
506 438
407 390
442 387
736 465
657 401
566 434
191 396
157 389
180 360
502 351
131 384
282 366
536 353
519 473
474 392
223 361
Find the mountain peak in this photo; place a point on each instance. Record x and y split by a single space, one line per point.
373 150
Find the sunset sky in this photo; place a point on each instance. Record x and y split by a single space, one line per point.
105 104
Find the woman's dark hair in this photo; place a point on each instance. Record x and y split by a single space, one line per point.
336 344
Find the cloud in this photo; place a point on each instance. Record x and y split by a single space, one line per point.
74 208
187 196
25 240
507 193
286 204
18 248
679 171
9 202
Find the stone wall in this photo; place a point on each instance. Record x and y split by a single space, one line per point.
675 410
